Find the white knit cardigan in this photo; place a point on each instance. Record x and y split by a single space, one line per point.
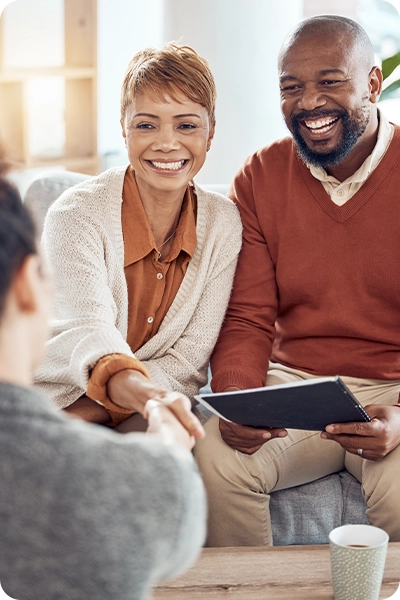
83 242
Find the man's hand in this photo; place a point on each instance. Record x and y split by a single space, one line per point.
247 439
164 424
131 389
376 439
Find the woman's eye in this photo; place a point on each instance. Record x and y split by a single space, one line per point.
144 126
187 126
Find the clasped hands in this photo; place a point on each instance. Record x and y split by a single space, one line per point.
169 413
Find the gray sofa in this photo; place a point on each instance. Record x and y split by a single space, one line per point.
300 515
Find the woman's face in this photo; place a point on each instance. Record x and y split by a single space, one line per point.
166 141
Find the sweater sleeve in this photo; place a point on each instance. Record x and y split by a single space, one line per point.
104 369
189 532
164 521
99 514
149 511
242 353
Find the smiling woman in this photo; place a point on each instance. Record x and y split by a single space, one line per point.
141 297
167 142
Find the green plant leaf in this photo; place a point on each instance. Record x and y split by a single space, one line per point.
391 91
389 65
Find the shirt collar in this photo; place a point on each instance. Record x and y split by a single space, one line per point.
385 134
185 238
138 237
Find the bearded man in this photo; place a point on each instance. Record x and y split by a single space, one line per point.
317 288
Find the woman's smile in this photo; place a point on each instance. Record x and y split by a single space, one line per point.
170 166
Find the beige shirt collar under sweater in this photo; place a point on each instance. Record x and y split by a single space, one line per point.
341 191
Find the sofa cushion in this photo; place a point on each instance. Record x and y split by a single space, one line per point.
307 513
45 189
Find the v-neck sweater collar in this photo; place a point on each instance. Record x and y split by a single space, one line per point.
360 198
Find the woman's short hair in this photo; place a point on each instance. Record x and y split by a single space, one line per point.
161 72
17 236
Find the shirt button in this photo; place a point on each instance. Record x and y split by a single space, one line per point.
340 192
159 275
150 319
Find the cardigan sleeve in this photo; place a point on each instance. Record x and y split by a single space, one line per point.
85 257
104 369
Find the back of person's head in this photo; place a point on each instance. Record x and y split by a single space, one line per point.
17 234
162 72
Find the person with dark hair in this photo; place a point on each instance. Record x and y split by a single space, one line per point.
141 297
316 291
17 236
85 512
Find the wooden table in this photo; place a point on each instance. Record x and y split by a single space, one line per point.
280 573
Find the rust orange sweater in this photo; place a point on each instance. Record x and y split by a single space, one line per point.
318 285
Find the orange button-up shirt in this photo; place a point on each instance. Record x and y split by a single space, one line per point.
152 284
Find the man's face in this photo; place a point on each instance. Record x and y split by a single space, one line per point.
325 98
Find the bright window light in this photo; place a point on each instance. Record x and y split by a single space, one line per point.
46 123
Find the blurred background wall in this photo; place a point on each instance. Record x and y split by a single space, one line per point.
240 39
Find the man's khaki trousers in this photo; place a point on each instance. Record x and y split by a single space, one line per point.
239 485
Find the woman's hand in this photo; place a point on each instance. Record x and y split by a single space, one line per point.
376 439
131 389
164 424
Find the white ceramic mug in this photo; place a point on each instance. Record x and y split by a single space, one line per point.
358 554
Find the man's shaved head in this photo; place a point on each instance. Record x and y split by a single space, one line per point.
343 29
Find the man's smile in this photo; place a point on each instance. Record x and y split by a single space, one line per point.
320 126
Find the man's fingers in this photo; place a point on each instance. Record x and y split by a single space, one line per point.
245 432
277 432
362 429
247 439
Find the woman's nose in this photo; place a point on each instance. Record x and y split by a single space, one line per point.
166 140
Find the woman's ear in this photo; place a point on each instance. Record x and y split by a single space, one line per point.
122 121
210 135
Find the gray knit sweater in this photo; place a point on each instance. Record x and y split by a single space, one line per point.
86 513
84 244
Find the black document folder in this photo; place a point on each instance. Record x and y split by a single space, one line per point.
309 404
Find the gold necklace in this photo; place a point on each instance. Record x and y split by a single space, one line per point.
165 241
